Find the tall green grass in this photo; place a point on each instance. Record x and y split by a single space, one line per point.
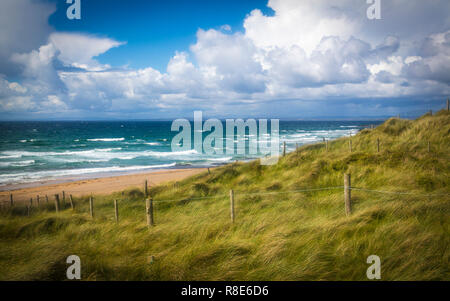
278 234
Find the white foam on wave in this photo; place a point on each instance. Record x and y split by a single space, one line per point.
18 154
55 174
10 156
99 155
224 159
106 139
17 163
170 154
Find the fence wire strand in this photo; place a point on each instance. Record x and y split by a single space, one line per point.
240 193
399 193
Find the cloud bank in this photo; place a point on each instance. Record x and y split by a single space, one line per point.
307 54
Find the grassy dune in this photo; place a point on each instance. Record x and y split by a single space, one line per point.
280 233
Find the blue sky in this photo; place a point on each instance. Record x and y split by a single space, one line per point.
153 30
279 58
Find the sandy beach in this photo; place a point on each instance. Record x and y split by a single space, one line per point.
104 185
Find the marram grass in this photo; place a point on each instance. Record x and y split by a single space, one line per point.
278 234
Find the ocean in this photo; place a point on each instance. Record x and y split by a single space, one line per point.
53 151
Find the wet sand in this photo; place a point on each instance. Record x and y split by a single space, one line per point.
104 185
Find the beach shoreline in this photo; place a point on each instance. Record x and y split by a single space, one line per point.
102 185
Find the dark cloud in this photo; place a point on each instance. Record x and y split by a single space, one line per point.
23 28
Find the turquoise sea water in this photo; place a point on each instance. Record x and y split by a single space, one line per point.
42 151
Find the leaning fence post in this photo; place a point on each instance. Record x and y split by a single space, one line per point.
91 206
378 144
232 205
350 145
116 211
347 194
31 202
46 199
72 205
284 148
37 200
149 212
57 203
11 199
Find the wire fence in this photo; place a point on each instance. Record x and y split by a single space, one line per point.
8 205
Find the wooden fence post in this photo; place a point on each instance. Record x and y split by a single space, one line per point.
46 199
116 211
72 205
91 206
57 203
31 202
350 145
149 212
64 197
347 194
326 144
284 148
378 144
209 172
232 205
11 199
145 189
37 200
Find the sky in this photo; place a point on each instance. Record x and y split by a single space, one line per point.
288 59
